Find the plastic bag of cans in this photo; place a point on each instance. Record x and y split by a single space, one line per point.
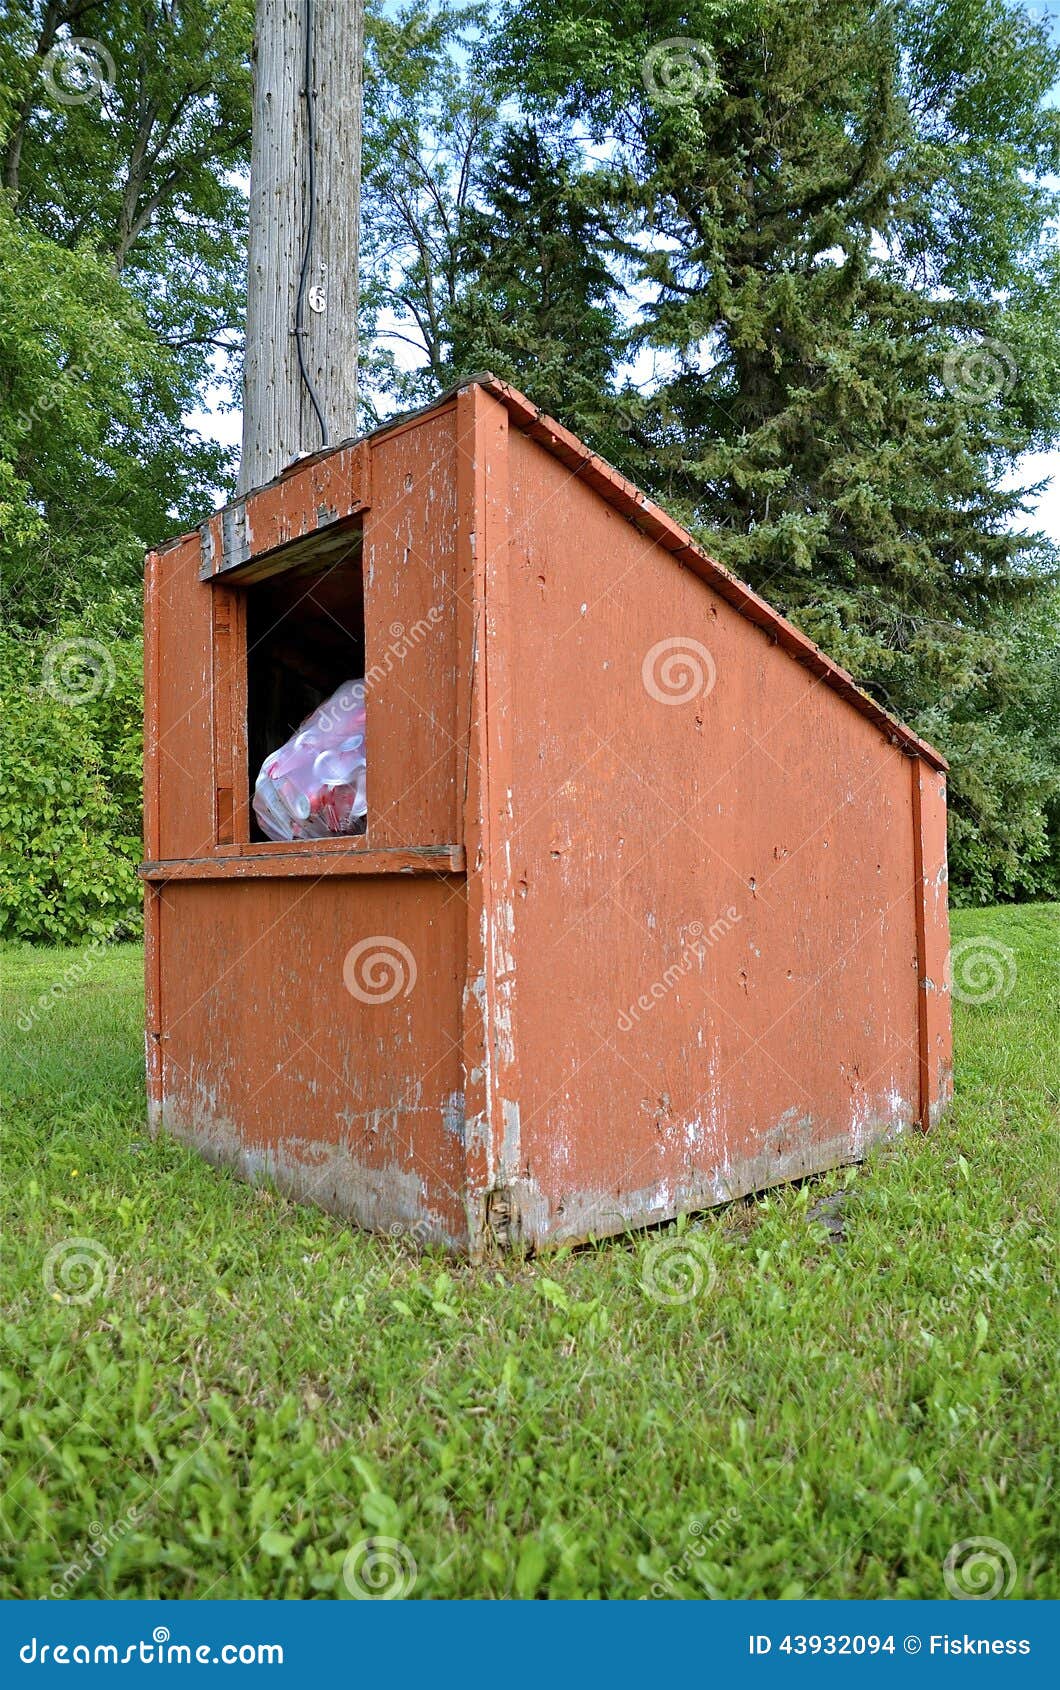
314 785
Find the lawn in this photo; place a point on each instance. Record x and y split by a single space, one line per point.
246 1398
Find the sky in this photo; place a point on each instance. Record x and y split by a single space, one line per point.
1044 513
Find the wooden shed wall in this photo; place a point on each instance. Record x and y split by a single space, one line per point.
272 1067
714 910
178 741
689 951
258 1053
412 630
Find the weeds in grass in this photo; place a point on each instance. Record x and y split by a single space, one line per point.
842 1389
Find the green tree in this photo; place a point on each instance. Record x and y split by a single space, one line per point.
70 777
429 123
485 242
537 303
124 134
94 457
122 128
849 271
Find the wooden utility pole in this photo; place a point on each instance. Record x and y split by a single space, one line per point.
305 191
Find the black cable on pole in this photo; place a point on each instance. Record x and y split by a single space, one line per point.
311 219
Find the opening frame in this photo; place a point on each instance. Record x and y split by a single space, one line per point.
238 696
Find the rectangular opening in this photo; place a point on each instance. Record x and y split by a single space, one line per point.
305 641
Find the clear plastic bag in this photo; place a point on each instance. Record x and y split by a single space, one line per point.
314 785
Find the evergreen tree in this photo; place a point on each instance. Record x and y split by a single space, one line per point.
845 225
485 244
538 307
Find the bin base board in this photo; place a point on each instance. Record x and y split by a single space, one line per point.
533 1224
390 1200
387 1199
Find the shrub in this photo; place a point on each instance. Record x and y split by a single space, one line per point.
70 778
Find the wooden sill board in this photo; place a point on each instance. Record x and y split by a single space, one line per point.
306 861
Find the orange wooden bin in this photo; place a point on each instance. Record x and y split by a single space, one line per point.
651 909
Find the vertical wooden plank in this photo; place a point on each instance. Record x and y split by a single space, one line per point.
491 1102
184 710
934 1004
223 746
152 894
479 1142
409 554
153 1049
152 611
242 775
231 773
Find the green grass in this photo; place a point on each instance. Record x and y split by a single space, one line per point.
260 1390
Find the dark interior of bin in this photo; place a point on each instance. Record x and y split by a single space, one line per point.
305 637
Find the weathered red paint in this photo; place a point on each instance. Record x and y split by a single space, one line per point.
655 953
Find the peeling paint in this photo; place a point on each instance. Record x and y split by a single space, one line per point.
787 1152
453 1114
510 1141
486 1100
309 1170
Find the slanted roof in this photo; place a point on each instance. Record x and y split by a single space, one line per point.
237 519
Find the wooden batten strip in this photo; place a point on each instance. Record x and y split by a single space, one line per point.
258 862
